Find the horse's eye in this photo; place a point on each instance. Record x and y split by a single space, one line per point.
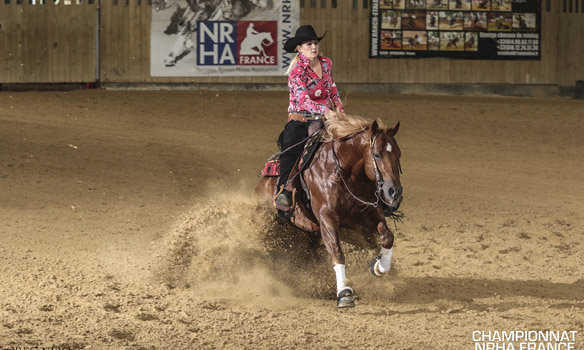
377 155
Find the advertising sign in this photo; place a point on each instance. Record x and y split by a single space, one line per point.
468 29
221 37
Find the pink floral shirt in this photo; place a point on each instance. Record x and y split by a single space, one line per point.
310 93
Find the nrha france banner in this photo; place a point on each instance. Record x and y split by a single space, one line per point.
221 37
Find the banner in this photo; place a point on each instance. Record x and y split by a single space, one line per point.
221 37
466 29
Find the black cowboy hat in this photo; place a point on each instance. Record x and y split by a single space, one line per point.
303 34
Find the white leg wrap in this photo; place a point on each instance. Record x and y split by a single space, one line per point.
385 261
341 276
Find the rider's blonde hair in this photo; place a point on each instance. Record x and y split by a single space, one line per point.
292 63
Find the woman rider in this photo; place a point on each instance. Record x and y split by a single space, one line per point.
313 93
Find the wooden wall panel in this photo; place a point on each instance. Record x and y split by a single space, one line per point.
56 43
571 47
125 48
47 43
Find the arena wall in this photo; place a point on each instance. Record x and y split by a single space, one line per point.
61 43
47 43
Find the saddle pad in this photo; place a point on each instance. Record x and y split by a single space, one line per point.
271 169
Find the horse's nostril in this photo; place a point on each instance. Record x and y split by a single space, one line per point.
391 192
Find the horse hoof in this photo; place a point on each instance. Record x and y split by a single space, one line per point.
374 267
345 298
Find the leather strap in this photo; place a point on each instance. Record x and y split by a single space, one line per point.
300 117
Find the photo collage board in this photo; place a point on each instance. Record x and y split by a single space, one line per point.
467 29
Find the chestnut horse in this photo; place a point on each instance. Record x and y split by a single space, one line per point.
353 178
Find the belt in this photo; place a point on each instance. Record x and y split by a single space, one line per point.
303 116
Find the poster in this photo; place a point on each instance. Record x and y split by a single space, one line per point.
221 37
466 29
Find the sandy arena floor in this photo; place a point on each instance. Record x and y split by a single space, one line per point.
127 223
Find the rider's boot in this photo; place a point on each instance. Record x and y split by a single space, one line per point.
285 200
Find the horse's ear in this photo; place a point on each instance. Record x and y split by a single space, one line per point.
394 129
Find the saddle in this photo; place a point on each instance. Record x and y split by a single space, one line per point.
272 166
302 215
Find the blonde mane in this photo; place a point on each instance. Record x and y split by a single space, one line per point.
345 126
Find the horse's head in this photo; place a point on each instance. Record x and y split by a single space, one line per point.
376 150
267 38
382 165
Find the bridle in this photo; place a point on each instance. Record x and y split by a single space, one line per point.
378 178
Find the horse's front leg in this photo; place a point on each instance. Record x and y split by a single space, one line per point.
329 230
180 48
382 263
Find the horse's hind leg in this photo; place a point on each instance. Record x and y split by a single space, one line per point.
264 192
329 229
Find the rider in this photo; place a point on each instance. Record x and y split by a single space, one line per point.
313 93
251 31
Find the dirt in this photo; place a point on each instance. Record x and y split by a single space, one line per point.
127 223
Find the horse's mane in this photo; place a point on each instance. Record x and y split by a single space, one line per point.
346 125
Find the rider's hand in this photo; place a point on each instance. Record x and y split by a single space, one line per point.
330 115
341 111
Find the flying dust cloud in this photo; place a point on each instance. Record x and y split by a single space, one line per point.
233 247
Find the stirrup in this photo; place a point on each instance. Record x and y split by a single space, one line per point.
282 206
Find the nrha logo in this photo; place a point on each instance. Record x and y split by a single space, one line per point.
257 43
216 43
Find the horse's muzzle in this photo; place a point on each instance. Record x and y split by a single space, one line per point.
391 194
388 210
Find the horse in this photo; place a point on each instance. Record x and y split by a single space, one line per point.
470 43
411 23
412 42
502 25
438 3
254 44
393 21
390 43
433 43
453 42
484 4
353 178
432 20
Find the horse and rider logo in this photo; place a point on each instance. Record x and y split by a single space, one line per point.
257 46
229 43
